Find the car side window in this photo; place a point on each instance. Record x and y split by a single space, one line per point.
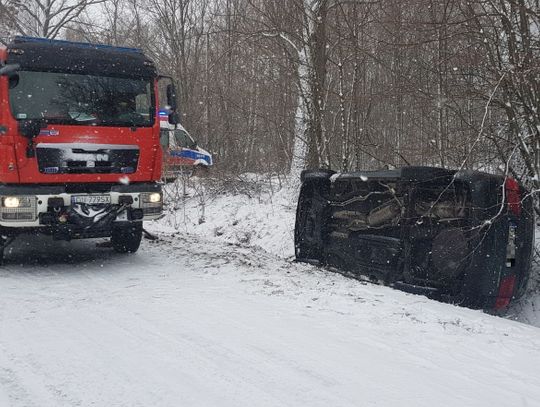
182 139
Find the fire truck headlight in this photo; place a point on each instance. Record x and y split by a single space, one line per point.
22 208
154 198
14 202
11 202
152 203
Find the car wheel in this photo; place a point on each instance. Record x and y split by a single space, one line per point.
305 231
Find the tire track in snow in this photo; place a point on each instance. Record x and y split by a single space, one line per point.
153 327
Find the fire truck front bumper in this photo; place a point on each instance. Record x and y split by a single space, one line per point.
77 211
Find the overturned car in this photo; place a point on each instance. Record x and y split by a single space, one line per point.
464 237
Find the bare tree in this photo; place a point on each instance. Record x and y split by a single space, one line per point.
508 32
278 85
43 18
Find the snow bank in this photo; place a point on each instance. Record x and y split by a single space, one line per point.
247 211
259 211
203 316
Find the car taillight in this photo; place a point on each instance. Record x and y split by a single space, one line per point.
513 197
506 291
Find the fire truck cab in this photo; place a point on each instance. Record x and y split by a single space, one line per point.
80 153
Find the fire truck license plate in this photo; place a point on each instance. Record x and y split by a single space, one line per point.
91 199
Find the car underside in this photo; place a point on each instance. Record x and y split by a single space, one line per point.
463 237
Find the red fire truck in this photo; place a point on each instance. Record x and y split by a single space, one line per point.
80 153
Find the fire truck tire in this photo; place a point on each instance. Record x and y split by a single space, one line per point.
127 239
4 242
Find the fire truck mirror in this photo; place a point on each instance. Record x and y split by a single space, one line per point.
173 118
9 69
30 128
3 130
171 97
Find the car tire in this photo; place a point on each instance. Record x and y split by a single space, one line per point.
307 231
302 247
127 239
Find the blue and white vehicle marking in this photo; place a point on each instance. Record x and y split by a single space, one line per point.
179 148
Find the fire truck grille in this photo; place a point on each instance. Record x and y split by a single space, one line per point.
59 158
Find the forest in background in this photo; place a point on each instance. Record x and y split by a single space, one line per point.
278 85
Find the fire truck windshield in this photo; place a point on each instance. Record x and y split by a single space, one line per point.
62 98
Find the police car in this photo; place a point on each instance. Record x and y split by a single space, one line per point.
181 154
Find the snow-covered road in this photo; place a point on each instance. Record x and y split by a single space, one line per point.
195 322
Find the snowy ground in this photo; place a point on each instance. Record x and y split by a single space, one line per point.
259 212
209 318
250 210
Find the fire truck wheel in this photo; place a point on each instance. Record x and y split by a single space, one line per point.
4 242
127 239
